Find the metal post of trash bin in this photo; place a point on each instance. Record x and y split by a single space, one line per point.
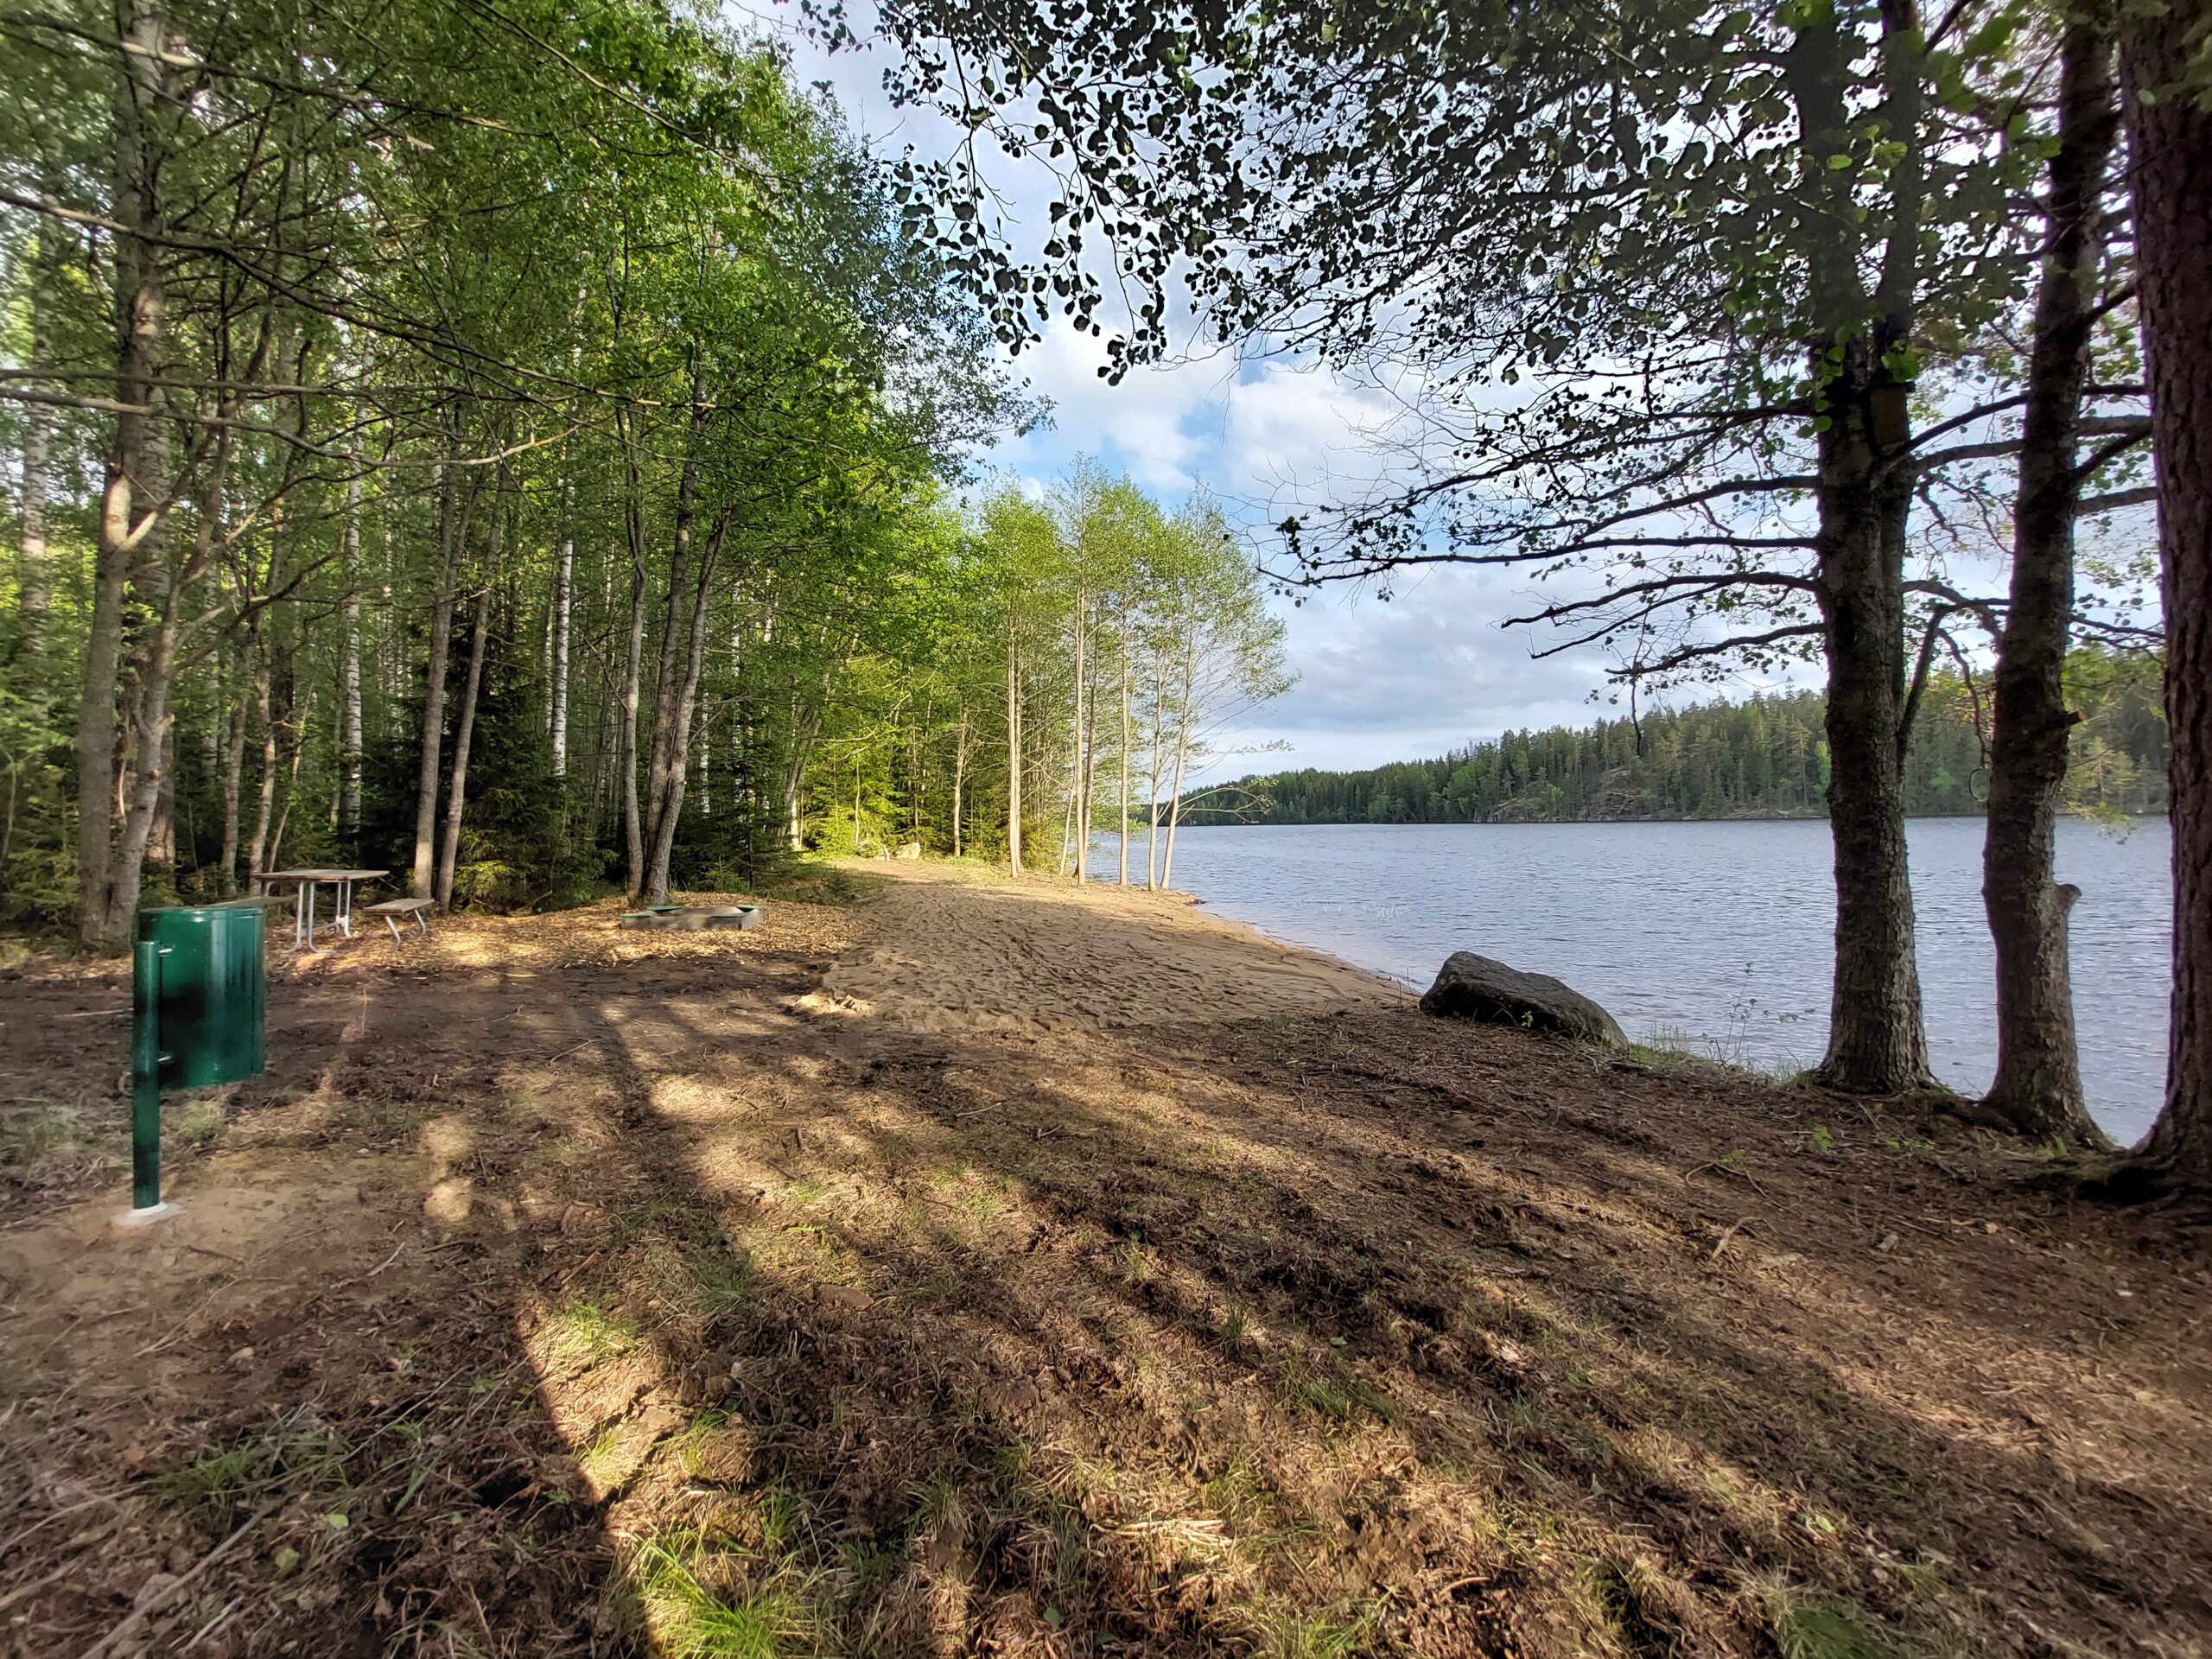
197 1019
146 1059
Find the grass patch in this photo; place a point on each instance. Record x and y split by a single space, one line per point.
609 1461
197 1123
214 1482
934 1289
34 1131
1336 1634
1312 1386
693 1615
581 1335
723 1281
1806 1625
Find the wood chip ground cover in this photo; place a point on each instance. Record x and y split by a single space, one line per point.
832 1289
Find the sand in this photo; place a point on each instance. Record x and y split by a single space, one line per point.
947 950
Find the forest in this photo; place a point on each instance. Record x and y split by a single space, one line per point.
551 470
1765 757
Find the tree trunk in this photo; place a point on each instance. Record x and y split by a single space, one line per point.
1125 744
1087 813
675 630
349 673
150 791
465 731
2170 141
31 574
452 529
233 774
633 833
1156 756
265 808
1182 751
668 809
1877 1043
161 835
1013 757
133 507
564 575
2038 1090
292 727
1074 831
959 776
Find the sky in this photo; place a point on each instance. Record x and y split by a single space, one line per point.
1427 671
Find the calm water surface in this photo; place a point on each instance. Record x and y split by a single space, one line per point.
1717 933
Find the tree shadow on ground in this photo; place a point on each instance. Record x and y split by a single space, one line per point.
1314 1336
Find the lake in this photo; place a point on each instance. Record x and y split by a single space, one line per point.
1716 935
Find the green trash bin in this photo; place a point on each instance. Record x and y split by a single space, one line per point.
197 1008
207 996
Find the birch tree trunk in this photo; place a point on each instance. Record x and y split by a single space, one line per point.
959 774
1072 830
233 775
675 633
1182 753
32 576
464 732
161 835
634 834
265 809
668 809
564 576
1013 756
349 675
1158 751
133 510
452 529
1087 814
1125 744
150 794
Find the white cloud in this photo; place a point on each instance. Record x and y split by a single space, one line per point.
1378 682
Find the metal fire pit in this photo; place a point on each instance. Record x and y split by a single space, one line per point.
692 918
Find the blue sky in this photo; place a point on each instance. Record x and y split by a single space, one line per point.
1411 677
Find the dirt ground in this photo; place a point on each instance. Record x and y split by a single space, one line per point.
994 1270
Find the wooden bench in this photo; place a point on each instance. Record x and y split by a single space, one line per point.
392 909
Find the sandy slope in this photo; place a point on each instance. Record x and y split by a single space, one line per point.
948 950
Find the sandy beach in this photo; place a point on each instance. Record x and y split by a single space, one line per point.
1010 1268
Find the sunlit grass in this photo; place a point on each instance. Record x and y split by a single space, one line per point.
1806 1625
33 1131
582 1334
690 1619
1280 1634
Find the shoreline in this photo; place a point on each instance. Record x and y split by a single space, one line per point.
1717 937
1525 824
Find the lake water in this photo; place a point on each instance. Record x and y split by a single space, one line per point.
1719 934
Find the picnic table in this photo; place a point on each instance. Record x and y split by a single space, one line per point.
305 882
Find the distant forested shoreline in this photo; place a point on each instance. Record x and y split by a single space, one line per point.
1764 758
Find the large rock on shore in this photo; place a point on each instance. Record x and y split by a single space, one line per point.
1476 987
